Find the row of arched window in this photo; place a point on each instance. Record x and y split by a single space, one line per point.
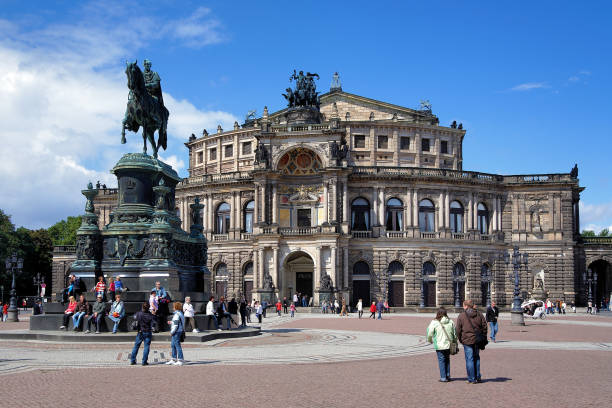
429 269
360 216
223 217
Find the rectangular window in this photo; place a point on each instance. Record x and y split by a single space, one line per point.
303 217
200 157
246 148
213 154
383 142
360 141
443 147
425 145
229 151
405 143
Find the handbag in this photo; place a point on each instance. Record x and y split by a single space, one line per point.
454 347
481 341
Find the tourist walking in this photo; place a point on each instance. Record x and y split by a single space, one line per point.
243 312
295 299
145 321
492 315
472 333
441 332
380 307
177 331
210 311
343 312
264 307
4 312
117 312
285 304
279 307
70 310
232 308
292 308
258 311
373 310
360 308
188 313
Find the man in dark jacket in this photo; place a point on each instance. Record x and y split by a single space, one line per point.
468 323
145 327
98 312
285 304
492 315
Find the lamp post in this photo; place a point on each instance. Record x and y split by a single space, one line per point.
590 278
13 264
518 259
38 281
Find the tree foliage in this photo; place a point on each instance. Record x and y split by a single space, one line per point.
603 233
64 232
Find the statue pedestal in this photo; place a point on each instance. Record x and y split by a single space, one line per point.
303 115
517 319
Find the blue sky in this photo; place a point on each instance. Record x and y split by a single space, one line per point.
529 80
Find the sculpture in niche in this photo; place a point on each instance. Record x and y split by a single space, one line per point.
326 283
536 221
538 281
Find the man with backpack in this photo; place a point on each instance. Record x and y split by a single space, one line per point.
472 333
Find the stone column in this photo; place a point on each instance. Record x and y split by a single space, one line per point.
235 148
374 208
396 159
255 269
256 209
381 204
447 209
325 203
205 157
209 213
274 205
333 267
408 211
345 204
332 201
475 211
261 259
345 281
318 267
441 209
219 155
415 208
417 148
264 209
276 277
373 146
494 220
470 219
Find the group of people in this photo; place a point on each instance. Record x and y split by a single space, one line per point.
558 306
81 310
470 330
301 299
334 307
376 309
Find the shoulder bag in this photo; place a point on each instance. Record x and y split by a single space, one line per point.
454 347
481 340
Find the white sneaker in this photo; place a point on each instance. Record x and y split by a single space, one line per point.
178 363
170 362
219 330
195 331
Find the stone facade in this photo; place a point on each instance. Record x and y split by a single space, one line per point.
396 217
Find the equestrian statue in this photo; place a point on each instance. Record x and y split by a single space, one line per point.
145 106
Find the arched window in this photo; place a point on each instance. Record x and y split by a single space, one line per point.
395 215
483 219
361 268
429 269
360 214
221 270
458 270
456 217
426 216
248 216
221 278
396 268
485 284
222 219
248 269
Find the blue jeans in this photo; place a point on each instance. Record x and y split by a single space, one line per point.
97 320
379 315
229 323
76 319
444 364
140 337
175 345
214 319
116 320
493 327
472 362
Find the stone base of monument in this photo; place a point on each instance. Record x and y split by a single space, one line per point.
107 337
517 319
303 115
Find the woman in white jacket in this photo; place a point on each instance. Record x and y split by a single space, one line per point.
176 329
441 332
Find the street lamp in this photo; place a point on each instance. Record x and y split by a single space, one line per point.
590 278
518 259
38 281
13 264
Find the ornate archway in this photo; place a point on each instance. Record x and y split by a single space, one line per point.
299 161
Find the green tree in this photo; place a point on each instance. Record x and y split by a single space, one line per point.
64 231
588 233
604 233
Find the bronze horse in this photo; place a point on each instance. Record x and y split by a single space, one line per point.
144 110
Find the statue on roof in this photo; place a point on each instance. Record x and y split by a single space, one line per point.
305 92
574 171
426 105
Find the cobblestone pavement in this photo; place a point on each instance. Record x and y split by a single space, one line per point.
322 361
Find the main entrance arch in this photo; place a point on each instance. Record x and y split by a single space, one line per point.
298 275
602 287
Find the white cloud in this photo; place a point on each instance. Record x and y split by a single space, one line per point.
197 30
528 86
596 216
62 101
